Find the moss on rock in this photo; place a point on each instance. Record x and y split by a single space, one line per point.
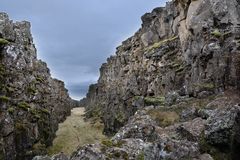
3 41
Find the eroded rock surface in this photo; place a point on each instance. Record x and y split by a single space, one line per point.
31 102
188 48
184 62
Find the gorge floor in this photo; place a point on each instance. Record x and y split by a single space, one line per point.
74 132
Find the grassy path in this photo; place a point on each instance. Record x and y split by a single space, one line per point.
75 132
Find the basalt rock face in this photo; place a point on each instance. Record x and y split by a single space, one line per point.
185 63
188 48
31 102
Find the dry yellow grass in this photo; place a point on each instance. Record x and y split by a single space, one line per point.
75 132
164 118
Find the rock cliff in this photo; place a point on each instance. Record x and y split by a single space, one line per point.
174 86
188 48
31 102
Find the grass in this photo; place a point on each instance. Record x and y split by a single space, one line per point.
163 118
75 132
160 43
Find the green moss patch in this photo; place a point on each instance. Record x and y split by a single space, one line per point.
20 126
3 41
217 33
107 143
140 156
154 101
4 99
45 111
160 43
11 110
40 79
23 105
205 86
31 90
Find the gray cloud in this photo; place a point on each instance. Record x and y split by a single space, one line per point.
76 36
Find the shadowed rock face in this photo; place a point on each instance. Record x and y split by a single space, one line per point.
188 48
31 102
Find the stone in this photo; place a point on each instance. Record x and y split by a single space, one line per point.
171 98
32 102
192 130
222 125
41 158
188 114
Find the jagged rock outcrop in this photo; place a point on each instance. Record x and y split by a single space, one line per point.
188 48
31 102
155 133
185 61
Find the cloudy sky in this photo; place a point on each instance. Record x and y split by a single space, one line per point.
75 37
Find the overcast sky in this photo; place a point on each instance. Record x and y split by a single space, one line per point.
75 37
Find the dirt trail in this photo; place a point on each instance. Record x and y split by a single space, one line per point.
75 132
